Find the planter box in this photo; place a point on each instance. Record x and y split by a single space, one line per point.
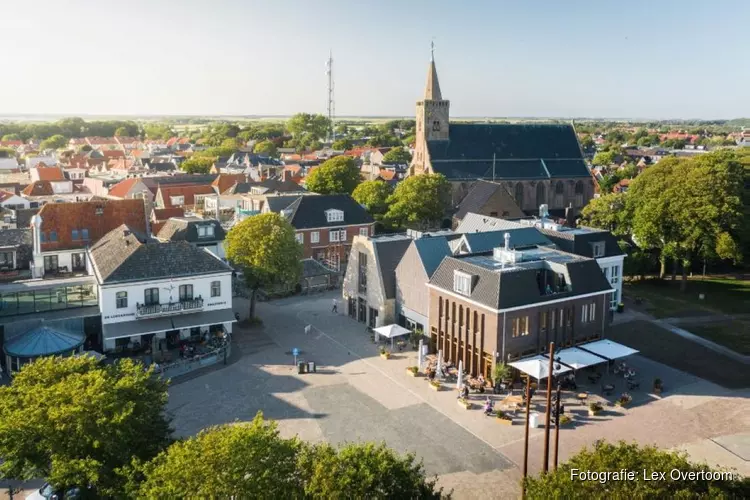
504 421
621 404
411 373
436 387
465 404
385 356
593 413
657 390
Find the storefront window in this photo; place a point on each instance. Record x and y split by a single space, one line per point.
59 298
25 302
75 299
8 304
89 295
42 300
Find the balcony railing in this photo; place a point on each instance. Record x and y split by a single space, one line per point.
151 311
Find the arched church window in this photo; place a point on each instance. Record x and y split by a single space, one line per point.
519 194
579 187
540 194
559 188
436 125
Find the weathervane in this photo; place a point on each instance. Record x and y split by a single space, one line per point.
432 50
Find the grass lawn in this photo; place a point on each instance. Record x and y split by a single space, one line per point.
732 334
664 299
665 347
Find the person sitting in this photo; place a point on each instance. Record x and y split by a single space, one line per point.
431 374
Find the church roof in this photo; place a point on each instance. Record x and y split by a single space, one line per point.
521 151
432 89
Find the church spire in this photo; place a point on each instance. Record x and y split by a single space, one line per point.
432 89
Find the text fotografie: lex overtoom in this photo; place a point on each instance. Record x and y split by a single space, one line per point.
647 475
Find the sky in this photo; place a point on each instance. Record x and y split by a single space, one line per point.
496 58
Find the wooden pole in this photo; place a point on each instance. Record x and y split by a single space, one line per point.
548 414
526 438
557 428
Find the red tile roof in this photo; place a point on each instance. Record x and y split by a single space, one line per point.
136 153
101 141
387 175
163 214
225 181
99 217
294 169
188 191
110 154
38 188
172 141
11 144
4 195
121 189
50 173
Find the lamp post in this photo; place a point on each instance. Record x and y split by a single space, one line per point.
548 414
526 438
557 426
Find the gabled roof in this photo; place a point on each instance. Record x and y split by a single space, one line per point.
431 252
477 223
39 188
122 188
486 241
186 229
4 195
224 182
50 173
189 192
517 151
309 211
15 237
579 241
389 252
121 256
480 194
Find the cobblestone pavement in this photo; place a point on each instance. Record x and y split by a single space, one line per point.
357 395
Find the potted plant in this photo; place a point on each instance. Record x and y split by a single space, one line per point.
465 403
435 385
658 386
624 399
413 371
595 409
384 354
620 307
500 373
503 418
564 420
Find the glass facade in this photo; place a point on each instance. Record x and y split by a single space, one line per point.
48 299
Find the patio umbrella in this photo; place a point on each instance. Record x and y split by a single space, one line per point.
420 355
460 377
439 365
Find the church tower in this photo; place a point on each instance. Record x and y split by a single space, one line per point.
432 119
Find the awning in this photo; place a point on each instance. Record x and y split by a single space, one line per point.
578 358
538 367
608 349
391 331
206 318
137 327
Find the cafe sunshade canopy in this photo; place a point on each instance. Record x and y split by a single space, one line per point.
538 367
578 358
608 349
391 331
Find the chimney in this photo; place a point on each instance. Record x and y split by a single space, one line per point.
570 216
286 175
37 266
507 241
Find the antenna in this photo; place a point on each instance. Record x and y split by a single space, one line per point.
331 108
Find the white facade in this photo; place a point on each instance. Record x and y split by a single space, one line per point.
15 202
33 161
612 268
8 164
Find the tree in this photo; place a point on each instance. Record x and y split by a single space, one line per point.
197 165
157 131
248 460
364 471
316 126
76 422
121 132
54 142
604 158
607 212
374 196
216 152
587 142
7 153
381 140
339 175
420 200
267 148
264 247
397 156
342 145
565 482
11 137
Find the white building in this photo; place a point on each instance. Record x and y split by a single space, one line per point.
151 292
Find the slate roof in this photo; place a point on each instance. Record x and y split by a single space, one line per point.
309 211
517 285
519 237
122 256
186 229
389 252
477 223
479 194
579 241
432 251
521 151
24 215
15 237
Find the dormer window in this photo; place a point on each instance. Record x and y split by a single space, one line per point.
177 201
598 249
205 231
462 283
333 215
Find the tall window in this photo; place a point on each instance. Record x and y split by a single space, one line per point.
78 261
615 274
151 296
50 263
579 187
334 236
216 289
6 259
342 235
592 312
461 283
584 313
562 318
300 237
598 249
436 125
520 326
541 194
559 188
122 300
363 231
186 292
362 274
519 194
315 237
543 319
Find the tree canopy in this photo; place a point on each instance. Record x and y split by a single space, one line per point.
157 131
76 422
265 148
315 126
420 200
197 165
264 247
607 212
374 196
397 156
339 175
54 142
607 457
216 152
604 158
342 144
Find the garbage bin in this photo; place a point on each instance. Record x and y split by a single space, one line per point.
534 420
311 367
301 367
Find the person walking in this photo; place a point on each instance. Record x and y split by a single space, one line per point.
335 308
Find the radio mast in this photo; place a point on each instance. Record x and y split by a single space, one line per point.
331 107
